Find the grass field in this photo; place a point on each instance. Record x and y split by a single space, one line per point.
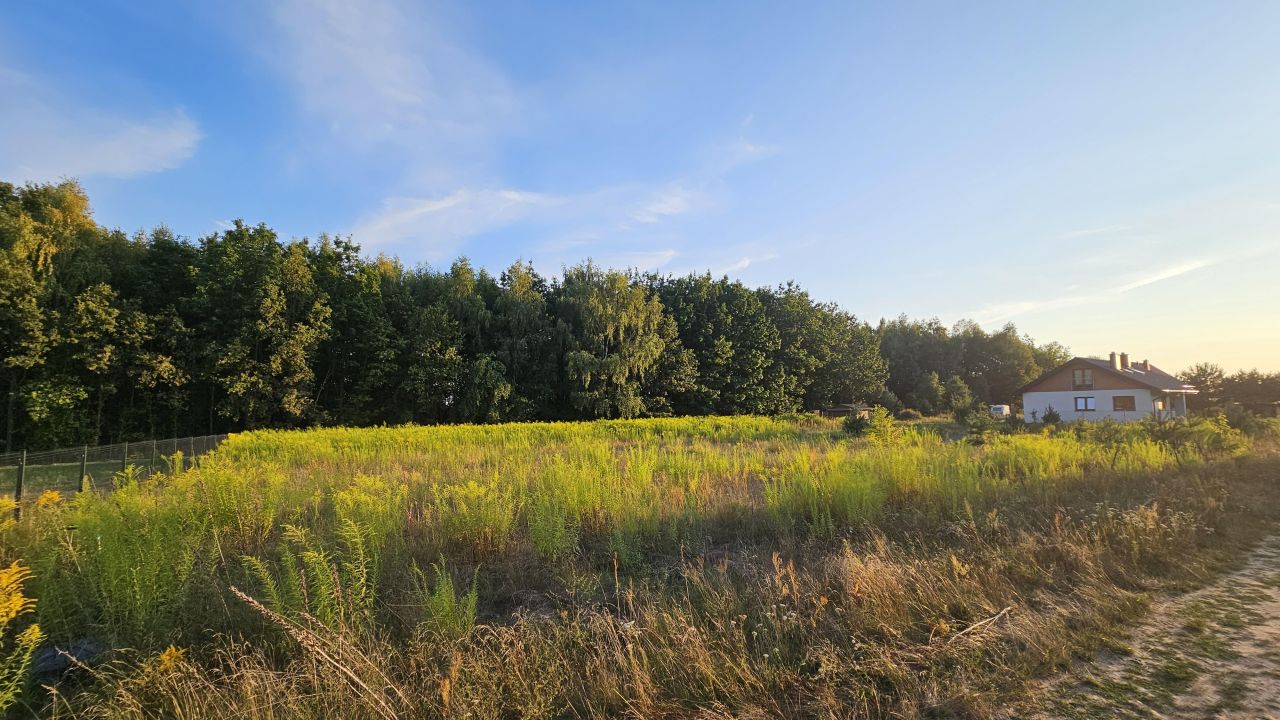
712 567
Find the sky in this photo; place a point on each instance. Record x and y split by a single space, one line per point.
1102 174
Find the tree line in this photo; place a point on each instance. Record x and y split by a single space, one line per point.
107 336
1252 390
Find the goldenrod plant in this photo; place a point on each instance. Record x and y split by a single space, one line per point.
16 648
764 566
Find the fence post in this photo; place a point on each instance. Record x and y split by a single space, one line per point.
191 446
84 467
124 457
152 467
17 487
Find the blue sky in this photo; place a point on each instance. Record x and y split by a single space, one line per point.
1102 174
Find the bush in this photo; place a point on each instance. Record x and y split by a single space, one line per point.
1242 420
909 414
855 425
883 429
1014 424
879 426
1051 416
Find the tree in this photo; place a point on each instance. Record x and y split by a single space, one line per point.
1209 380
106 336
913 349
928 396
997 365
355 364
724 326
261 304
956 395
614 339
527 343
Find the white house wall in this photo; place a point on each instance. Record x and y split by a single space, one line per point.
1064 402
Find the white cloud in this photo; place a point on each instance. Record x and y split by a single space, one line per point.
391 82
668 202
1164 274
1004 311
383 72
439 224
46 136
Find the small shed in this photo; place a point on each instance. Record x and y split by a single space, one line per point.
845 410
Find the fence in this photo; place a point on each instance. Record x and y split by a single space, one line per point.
70 470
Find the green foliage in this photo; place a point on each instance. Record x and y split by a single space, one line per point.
615 339
855 424
1051 416
881 427
992 366
590 539
447 615
956 396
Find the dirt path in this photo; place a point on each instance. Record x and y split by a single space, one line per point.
1212 653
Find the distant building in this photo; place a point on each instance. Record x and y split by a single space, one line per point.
1000 411
845 410
1093 389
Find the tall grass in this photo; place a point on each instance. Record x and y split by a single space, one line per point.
591 547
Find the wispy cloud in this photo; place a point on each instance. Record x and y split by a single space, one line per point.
54 136
386 73
437 225
668 202
393 79
1168 273
999 312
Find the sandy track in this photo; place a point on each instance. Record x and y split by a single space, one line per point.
1212 653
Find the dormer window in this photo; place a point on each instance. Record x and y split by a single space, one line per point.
1082 379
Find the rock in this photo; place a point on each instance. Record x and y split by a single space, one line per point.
51 662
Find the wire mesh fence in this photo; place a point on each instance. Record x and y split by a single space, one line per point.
24 475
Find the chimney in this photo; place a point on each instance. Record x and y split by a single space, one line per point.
1115 362
1146 365
1124 361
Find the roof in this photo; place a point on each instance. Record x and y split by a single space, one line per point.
1154 378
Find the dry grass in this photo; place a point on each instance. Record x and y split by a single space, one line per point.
681 568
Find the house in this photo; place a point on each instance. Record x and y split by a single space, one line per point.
1093 389
846 409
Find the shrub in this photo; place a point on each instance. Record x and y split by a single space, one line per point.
881 427
1051 416
908 414
855 425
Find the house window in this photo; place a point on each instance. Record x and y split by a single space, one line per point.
1082 379
1124 403
1085 404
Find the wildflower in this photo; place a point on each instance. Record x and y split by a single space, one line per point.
48 498
171 657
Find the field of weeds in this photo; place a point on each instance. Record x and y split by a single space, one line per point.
713 567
